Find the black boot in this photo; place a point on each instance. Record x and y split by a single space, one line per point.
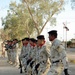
66 71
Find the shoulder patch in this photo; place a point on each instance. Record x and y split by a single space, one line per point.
60 48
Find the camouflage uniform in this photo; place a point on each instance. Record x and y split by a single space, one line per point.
32 55
57 54
41 59
15 54
9 51
24 54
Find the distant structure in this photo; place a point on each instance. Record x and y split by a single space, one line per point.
72 43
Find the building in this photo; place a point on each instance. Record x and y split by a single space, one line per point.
72 43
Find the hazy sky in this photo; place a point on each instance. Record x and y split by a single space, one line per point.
67 16
4 6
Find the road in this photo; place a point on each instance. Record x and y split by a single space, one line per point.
7 69
71 53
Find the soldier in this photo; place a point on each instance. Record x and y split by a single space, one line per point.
9 51
21 56
41 57
31 54
24 52
15 52
3 49
57 55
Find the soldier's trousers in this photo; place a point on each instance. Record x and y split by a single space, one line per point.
43 69
55 69
9 55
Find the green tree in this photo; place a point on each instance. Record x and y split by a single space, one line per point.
69 43
43 11
18 22
29 17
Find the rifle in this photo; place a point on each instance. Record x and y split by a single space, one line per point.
36 68
20 66
31 64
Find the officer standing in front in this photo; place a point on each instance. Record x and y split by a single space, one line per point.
57 55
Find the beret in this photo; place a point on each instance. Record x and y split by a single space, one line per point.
40 37
33 40
27 39
52 32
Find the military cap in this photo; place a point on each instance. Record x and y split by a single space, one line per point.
33 40
40 37
23 39
15 39
26 38
10 41
7 41
52 32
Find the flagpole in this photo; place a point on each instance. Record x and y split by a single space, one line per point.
63 33
66 41
66 34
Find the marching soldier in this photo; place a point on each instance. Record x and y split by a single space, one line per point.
7 43
41 59
24 52
9 50
15 52
57 55
21 56
32 54
3 49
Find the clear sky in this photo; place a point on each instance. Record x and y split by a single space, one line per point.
67 16
4 6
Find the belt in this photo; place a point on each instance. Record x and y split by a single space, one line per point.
56 61
43 62
25 55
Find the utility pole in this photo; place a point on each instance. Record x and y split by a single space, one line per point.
67 29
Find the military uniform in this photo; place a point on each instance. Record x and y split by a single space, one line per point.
15 52
32 54
9 51
24 53
41 58
57 55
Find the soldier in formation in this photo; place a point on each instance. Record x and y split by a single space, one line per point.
41 63
57 55
11 46
24 52
35 58
34 55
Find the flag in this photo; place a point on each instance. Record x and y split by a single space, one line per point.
67 29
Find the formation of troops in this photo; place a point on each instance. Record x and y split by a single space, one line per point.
11 46
35 58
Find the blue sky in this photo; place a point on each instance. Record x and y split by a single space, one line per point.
4 6
67 16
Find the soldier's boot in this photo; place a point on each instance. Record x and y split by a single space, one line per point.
66 72
21 71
